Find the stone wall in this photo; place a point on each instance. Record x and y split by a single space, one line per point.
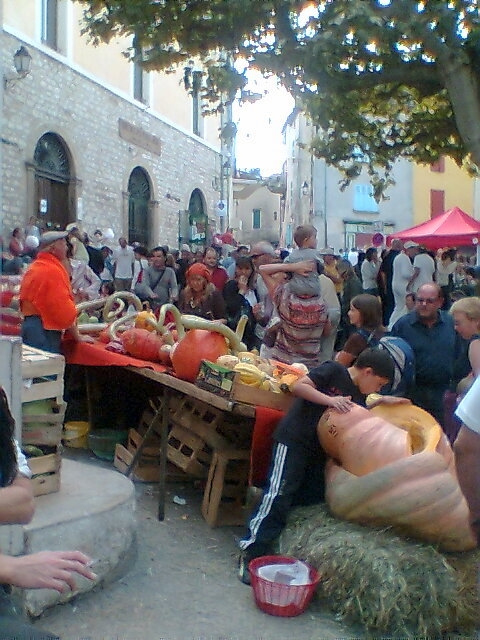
86 115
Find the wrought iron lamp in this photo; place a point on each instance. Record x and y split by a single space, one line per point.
22 61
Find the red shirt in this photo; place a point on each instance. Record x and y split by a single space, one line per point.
219 277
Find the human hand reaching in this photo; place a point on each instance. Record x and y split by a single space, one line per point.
343 404
46 570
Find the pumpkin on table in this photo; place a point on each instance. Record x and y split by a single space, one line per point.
198 339
142 344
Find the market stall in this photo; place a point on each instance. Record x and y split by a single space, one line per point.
201 432
454 228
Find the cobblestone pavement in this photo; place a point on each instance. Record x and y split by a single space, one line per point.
182 586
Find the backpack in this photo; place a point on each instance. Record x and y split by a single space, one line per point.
403 357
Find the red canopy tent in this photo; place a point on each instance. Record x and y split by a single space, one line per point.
454 228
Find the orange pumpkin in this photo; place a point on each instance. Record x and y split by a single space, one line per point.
143 344
142 321
401 476
195 346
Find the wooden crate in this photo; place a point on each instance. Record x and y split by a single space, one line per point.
188 451
145 471
46 473
225 493
44 428
148 467
216 428
261 398
42 374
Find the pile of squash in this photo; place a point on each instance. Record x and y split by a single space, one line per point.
262 373
392 466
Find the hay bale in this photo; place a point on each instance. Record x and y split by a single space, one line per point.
386 583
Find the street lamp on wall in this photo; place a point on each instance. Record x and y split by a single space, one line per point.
305 188
22 61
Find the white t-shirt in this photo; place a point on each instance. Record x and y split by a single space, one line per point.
369 271
124 260
469 408
402 272
426 266
139 266
22 463
444 270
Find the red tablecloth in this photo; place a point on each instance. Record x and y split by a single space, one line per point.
266 420
95 355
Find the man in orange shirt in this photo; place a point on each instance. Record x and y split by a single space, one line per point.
46 298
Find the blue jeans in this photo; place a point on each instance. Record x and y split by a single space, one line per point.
34 334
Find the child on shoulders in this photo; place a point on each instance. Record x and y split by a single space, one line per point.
307 285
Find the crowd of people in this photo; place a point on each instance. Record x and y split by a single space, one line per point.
305 305
330 311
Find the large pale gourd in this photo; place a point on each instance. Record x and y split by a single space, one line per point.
361 441
410 482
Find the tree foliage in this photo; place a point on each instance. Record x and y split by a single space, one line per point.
381 79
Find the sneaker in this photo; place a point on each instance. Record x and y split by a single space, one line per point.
243 572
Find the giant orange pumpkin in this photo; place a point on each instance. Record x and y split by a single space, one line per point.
195 346
143 344
392 466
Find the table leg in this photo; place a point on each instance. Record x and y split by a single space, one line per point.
165 409
90 399
152 428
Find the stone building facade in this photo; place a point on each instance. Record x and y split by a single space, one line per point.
70 139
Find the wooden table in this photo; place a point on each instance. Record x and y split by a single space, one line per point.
161 419
92 356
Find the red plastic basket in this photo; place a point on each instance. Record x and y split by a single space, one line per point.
268 594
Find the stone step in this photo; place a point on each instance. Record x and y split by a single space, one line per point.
94 512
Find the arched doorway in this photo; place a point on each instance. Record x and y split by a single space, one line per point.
52 166
139 195
198 220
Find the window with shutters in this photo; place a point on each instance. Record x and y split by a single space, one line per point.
256 221
438 166
50 23
437 202
363 199
197 118
141 78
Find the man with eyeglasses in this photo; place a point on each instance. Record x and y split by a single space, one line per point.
431 334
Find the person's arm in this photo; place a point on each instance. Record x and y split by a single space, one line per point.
345 358
416 271
147 282
173 286
77 336
352 348
45 570
305 388
474 356
467 456
267 271
16 501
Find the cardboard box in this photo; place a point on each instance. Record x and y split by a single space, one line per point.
215 378
46 473
261 398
